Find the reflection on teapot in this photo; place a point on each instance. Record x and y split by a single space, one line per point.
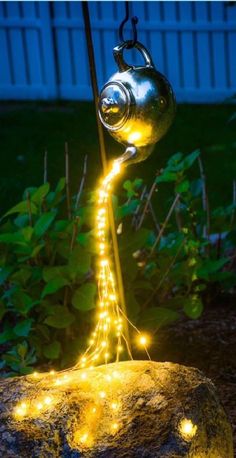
137 105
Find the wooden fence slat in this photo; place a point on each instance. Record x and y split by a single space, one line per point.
172 45
5 71
188 63
50 88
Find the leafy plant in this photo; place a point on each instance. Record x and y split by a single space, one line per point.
170 267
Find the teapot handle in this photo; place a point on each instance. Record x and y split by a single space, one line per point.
118 55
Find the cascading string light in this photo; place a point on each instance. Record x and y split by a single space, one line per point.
108 339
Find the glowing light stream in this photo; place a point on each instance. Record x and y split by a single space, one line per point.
108 339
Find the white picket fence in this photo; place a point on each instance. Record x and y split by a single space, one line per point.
43 51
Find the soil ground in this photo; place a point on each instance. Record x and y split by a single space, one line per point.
208 344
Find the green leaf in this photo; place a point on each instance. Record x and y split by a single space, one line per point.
23 328
54 285
174 160
129 187
157 317
190 159
37 249
27 233
132 241
21 220
14 237
86 215
166 177
4 274
63 225
84 297
22 207
40 193
60 185
209 266
196 187
6 336
43 223
23 303
60 318
126 209
88 241
49 273
53 350
193 307
29 191
182 187
79 260
22 349
22 275
138 183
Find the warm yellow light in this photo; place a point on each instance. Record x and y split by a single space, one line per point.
39 406
134 136
114 427
102 394
143 340
84 438
116 168
47 400
115 374
187 429
115 405
21 410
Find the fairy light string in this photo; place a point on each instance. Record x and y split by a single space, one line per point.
108 339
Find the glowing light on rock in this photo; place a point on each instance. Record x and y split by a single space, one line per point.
187 429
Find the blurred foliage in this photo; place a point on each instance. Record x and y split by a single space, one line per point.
171 267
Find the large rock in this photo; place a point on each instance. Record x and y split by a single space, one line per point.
130 409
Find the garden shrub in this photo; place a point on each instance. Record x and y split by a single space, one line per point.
171 267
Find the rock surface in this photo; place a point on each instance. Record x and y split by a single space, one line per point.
132 409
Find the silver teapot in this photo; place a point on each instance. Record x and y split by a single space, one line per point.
137 105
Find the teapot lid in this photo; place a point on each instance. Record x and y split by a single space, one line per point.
114 105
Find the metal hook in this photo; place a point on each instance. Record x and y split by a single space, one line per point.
134 21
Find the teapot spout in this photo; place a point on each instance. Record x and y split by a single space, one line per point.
134 154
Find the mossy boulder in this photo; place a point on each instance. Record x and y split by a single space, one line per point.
123 410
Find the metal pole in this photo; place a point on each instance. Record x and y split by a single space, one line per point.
103 157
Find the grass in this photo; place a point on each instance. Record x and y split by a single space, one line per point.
26 129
